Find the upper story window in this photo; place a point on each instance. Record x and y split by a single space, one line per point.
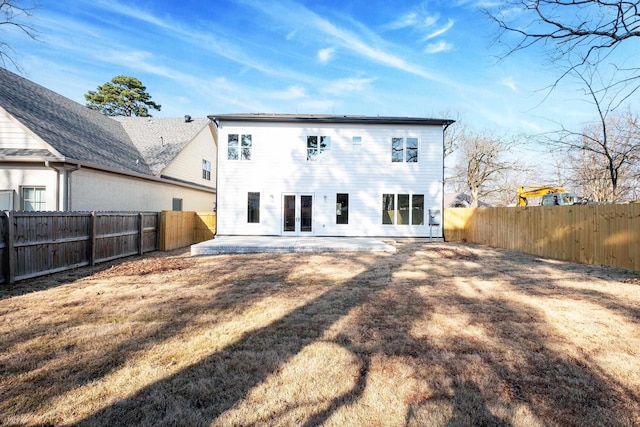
33 198
356 143
239 147
318 147
206 170
404 150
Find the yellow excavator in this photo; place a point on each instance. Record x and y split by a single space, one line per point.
551 195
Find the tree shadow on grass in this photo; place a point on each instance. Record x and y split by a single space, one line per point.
209 388
517 351
52 377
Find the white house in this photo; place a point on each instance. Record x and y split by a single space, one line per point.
58 155
319 175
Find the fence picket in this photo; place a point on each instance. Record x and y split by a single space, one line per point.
590 234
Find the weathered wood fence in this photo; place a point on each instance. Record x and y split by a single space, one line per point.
37 243
590 234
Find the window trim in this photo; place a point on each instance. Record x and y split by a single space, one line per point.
342 209
253 210
11 198
206 169
322 153
242 150
42 201
400 149
394 202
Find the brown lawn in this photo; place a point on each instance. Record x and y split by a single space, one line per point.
436 334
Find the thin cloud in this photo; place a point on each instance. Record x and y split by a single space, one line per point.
407 20
325 55
440 31
510 83
208 41
291 93
342 86
438 47
376 50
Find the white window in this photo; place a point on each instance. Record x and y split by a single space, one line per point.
6 200
253 207
33 198
403 209
404 150
241 152
206 170
318 147
356 143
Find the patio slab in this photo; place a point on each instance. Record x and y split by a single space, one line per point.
279 244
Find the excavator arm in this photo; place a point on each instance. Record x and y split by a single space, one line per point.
536 191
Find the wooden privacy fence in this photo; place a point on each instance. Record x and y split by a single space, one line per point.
590 234
37 243
179 229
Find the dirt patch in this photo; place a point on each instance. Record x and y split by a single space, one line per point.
146 266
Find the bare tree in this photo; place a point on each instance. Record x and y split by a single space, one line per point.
482 167
575 34
455 132
604 158
15 14
604 153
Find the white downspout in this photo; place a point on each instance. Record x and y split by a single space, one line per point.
65 174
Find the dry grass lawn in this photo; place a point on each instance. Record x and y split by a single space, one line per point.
437 334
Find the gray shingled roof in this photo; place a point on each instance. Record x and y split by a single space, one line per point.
161 139
27 152
78 133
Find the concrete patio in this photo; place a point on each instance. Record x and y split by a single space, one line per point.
279 244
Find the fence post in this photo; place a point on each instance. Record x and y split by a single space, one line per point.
158 219
4 262
140 233
92 238
162 231
11 258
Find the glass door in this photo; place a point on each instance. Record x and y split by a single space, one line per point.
297 214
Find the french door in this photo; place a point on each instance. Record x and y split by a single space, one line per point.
297 214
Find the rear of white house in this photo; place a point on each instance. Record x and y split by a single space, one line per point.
311 175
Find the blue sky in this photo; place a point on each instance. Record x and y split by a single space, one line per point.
364 57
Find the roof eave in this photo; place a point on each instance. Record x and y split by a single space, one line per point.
332 119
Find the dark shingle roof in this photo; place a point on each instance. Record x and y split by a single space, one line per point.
72 129
27 153
161 139
328 118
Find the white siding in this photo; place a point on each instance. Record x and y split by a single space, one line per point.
13 178
279 165
13 135
187 165
101 191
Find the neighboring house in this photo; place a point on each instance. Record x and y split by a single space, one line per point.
316 175
58 155
460 200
